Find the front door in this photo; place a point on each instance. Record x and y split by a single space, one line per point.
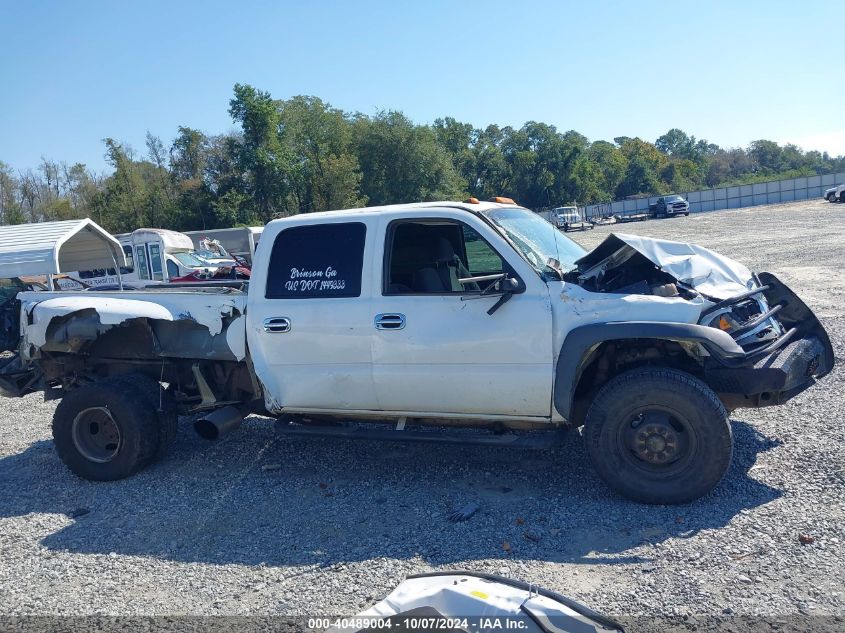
309 323
436 349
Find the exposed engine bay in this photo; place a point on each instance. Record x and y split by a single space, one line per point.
735 300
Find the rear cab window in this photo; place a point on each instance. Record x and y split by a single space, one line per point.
317 261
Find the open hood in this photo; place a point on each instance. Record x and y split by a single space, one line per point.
626 264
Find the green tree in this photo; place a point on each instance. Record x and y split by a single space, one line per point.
402 162
325 172
262 157
642 175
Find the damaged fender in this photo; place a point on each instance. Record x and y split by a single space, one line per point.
185 330
575 352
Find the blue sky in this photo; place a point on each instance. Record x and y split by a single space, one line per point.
72 73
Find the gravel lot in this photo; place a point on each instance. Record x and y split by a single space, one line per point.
257 524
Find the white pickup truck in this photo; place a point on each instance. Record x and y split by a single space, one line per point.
433 314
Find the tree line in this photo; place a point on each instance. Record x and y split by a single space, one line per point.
302 155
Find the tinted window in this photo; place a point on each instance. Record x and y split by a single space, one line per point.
317 261
172 269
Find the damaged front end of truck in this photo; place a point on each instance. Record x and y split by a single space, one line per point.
747 335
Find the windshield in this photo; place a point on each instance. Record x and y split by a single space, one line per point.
189 259
673 199
538 240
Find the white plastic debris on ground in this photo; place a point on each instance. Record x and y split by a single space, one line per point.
462 601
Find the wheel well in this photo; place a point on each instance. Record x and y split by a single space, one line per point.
610 358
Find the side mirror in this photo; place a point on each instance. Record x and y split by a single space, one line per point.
507 287
509 284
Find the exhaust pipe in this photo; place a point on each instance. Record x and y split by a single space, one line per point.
214 425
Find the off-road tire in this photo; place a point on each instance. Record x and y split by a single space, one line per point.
130 412
161 400
685 409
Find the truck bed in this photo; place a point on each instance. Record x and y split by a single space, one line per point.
203 322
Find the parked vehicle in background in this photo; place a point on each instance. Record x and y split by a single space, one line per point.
566 218
669 206
239 242
155 256
835 194
430 314
570 219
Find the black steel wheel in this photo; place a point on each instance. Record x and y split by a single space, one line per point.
658 435
106 430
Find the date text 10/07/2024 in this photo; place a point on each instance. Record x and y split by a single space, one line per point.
411 623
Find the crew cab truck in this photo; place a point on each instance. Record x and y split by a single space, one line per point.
669 206
432 314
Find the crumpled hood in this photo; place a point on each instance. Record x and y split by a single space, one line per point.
707 272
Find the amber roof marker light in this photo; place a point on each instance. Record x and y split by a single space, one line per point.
502 200
471 200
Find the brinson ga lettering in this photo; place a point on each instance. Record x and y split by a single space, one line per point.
297 273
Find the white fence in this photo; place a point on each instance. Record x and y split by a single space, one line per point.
730 197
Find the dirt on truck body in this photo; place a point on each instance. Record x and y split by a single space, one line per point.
431 314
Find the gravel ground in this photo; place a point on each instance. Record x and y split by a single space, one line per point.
257 524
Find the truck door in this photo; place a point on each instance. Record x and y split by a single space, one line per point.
155 261
141 262
309 320
436 349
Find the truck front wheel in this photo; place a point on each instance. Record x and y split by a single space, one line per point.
658 435
105 431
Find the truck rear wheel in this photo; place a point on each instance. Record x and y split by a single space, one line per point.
658 435
160 400
105 431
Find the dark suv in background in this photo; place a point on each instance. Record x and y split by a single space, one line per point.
667 206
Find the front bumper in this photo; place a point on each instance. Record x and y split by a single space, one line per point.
786 367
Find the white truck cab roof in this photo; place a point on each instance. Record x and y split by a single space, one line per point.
472 207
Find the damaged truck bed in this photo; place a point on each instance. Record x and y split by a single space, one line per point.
430 314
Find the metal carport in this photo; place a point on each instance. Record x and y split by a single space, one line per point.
47 248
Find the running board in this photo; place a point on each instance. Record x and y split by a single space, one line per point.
534 440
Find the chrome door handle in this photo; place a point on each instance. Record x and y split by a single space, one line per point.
277 325
390 321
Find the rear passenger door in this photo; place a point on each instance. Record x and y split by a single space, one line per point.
309 323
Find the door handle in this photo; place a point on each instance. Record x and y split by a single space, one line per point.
390 321
277 325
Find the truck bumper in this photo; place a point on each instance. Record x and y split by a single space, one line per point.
767 379
774 379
